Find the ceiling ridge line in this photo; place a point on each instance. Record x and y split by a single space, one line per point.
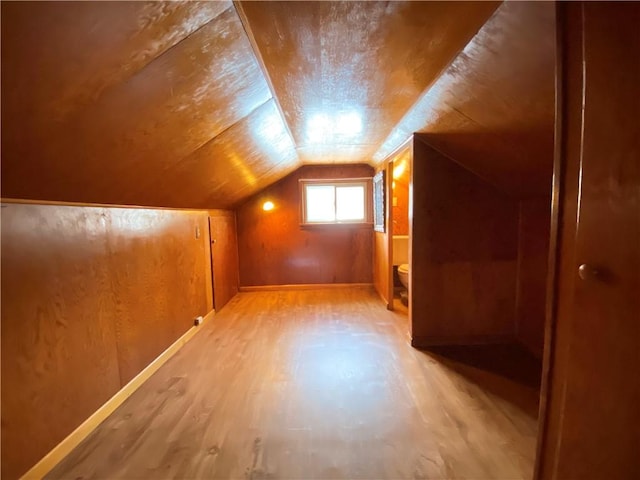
244 21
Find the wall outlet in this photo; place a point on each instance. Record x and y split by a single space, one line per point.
197 231
198 320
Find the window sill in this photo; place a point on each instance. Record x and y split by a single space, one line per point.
316 226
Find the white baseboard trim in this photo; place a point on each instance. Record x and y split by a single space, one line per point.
51 459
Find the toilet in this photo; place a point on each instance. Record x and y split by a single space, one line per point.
401 258
403 273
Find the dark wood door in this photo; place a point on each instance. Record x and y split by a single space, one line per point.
593 415
224 256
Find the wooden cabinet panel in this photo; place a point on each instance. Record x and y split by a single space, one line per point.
591 416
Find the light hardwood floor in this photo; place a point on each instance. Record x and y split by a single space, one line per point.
313 384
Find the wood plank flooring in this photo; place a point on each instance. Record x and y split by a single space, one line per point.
313 384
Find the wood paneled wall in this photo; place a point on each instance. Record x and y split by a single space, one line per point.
90 296
275 250
533 255
382 246
463 254
381 266
224 248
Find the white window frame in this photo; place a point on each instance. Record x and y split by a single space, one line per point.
335 182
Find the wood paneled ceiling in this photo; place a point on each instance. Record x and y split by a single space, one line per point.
201 104
346 72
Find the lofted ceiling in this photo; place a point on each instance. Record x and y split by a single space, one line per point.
202 104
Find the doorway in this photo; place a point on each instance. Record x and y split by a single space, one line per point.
400 168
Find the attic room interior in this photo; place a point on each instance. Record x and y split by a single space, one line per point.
314 240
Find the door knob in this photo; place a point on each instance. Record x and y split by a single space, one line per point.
587 272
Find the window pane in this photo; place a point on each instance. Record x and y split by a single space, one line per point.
350 203
320 203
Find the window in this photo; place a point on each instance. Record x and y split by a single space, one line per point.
336 201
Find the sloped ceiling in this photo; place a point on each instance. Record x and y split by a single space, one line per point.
492 109
201 104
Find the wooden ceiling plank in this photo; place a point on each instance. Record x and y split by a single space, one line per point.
256 51
346 72
84 48
158 116
237 163
492 110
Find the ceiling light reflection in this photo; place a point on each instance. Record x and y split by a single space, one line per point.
322 128
349 124
319 128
